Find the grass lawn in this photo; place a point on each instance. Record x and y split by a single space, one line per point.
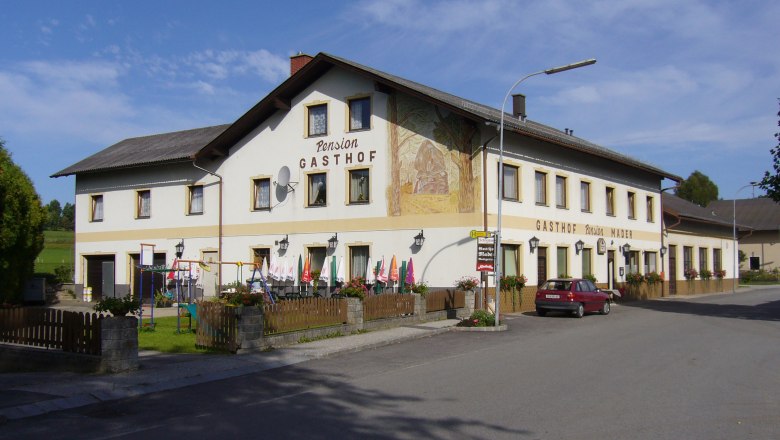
57 250
165 339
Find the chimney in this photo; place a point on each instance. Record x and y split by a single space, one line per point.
298 61
518 106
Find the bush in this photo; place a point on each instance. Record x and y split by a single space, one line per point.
64 273
590 277
513 282
238 294
421 288
355 288
653 278
480 318
720 274
691 274
118 306
467 283
705 274
635 278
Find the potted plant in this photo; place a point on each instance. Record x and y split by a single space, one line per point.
421 288
355 288
467 283
118 306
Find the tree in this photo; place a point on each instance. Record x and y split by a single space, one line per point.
68 219
771 182
22 219
54 211
698 189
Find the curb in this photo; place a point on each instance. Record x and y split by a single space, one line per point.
499 328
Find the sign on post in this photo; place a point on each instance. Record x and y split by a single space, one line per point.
476 234
486 254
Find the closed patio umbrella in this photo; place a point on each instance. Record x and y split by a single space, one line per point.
370 277
410 272
340 275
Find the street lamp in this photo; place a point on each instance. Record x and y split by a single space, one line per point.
734 232
180 249
501 165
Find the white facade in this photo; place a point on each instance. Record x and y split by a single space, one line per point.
417 182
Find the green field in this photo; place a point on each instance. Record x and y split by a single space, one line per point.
57 251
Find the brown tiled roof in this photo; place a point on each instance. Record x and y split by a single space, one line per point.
146 150
760 214
679 207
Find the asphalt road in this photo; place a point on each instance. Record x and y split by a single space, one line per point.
704 368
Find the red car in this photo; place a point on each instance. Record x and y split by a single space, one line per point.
572 295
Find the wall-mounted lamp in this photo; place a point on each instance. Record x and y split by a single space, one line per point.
333 241
419 239
180 249
626 248
533 243
578 246
662 251
284 243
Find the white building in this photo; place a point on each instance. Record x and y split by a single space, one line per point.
374 161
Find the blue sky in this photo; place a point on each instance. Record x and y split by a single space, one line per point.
685 86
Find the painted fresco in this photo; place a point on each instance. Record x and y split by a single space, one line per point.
431 167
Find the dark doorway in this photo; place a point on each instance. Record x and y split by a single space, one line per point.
100 275
541 265
152 281
672 270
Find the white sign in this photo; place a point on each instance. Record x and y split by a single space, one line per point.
147 254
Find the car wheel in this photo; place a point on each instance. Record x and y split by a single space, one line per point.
580 312
605 308
541 312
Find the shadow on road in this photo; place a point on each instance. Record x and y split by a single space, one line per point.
769 311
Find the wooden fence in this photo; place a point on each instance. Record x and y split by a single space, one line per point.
387 305
444 300
302 314
217 326
74 332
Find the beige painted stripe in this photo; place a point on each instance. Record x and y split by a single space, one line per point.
431 221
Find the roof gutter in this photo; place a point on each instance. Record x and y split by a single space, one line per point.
219 249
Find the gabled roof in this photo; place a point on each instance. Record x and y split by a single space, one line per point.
760 214
147 150
682 208
281 97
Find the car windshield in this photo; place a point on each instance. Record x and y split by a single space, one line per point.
557 285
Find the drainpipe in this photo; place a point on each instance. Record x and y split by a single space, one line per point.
219 249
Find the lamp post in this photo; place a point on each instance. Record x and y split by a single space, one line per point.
501 166
734 232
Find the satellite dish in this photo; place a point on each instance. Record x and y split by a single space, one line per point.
284 176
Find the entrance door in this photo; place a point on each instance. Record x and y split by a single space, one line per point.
672 270
102 283
209 277
610 270
541 265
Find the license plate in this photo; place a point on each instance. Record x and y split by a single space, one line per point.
552 296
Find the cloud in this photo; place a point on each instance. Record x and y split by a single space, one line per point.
221 65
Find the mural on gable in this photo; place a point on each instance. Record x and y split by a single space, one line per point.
431 169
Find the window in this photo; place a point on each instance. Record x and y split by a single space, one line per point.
631 205
585 196
358 186
510 262
143 204
702 259
318 120
650 210
717 260
541 188
195 199
97 209
563 267
317 258
687 258
650 262
587 259
359 114
261 198
358 261
610 201
510 182
633 262
755 263
317 189
560 192
261 254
